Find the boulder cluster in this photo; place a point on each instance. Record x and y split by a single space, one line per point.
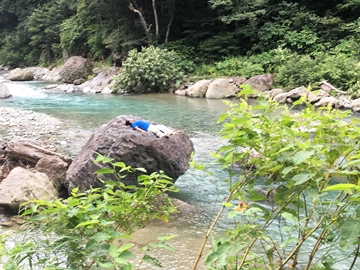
328 95
77 75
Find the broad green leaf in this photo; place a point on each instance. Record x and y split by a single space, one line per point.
113 251
101 236
302 178
256 196
347 172
119 164
349 231
288 132
351 163
286 170
125 247
222 117
289 216
232 213
302 156
341 187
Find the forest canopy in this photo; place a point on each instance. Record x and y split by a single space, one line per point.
42 32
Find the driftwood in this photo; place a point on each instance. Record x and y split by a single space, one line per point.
26 151
329 86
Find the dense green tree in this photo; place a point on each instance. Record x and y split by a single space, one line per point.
205 30
44 27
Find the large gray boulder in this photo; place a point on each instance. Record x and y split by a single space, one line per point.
4 91
22 185
221 88
261 82
325 101
19 74
99 84
75 68
298 92
55 168
198 89
122 143
355 105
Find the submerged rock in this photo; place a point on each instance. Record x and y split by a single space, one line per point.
122 143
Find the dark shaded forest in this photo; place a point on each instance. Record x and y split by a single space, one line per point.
42 32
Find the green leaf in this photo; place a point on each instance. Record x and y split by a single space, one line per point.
222 117
104 171
119 164
302 178
106 264
341 187
351 163
86 223
232 213
256 196
113 251
302 156
101 236
227 204
288 132
349 231
151 260
125 247
289 216
286 170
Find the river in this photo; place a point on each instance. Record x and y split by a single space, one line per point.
196 116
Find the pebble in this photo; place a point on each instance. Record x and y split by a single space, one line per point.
42 130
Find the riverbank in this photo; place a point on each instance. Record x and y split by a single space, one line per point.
42 130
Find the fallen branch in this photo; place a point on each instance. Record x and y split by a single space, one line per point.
24 150
332 87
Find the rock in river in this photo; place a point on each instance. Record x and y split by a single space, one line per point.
122 143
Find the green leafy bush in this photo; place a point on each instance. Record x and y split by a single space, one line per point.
151 70
340 70
235 66
294 193
91 230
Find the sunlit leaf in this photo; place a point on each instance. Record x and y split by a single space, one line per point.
104 171
302 178
302 156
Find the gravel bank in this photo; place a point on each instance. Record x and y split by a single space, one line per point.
42 130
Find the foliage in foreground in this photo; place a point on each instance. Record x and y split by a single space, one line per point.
294 188
91 230
151 70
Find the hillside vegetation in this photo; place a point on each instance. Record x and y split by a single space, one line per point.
301 42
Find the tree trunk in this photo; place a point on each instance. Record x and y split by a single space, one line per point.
143 23
170 22
156 20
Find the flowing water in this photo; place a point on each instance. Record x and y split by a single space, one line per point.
196 116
